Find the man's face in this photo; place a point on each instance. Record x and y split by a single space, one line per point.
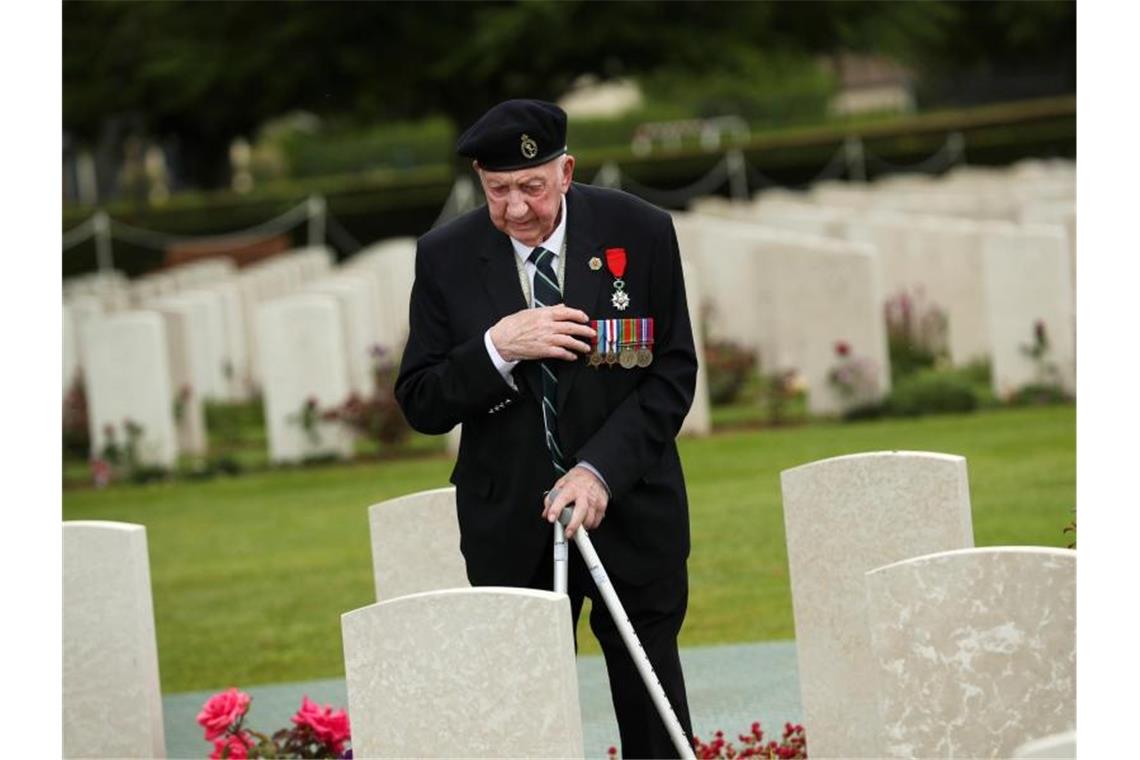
525 203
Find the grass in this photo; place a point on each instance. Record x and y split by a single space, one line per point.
251 574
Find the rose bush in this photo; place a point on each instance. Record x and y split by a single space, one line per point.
317 732
223 711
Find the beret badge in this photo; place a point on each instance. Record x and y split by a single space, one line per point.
528 147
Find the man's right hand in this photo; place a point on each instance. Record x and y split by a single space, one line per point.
548 332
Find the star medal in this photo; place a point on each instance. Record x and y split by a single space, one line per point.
612 342
615 260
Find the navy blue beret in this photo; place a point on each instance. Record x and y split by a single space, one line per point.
515 134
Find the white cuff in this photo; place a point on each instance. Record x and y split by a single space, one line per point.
505 367
587 466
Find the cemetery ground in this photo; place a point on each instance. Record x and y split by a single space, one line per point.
250 574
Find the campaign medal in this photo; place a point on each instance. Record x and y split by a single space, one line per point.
644 352
615 261
611 353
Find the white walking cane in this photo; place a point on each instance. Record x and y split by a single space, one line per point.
617 612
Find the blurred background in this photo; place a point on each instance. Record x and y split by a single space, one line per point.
203 118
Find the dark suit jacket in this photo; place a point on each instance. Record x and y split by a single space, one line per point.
623 422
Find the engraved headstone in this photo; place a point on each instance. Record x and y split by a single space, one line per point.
305 372
975 650
479 672
415 544
843 517
128 379
112 700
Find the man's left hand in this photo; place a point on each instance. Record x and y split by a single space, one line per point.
581 488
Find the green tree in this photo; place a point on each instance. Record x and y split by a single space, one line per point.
204 73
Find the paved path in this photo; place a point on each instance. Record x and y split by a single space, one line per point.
729 687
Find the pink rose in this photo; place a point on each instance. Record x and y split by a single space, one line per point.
329 726
234 746
221 711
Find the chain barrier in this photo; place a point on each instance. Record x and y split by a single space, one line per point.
340 236
160 240
835 168
79 233
679 197
951 153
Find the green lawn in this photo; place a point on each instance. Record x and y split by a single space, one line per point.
251 574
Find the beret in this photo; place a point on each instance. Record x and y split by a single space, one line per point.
515 134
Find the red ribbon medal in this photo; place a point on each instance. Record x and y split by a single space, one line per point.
615 260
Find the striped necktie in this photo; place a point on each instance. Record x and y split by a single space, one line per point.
547 293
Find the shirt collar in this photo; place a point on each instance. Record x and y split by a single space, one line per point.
553 243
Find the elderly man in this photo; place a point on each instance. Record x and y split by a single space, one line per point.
553 325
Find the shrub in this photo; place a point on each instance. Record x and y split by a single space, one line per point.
916 333
854 378
76 435
931 392
730 366
378 415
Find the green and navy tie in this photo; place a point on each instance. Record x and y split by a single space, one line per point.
547 293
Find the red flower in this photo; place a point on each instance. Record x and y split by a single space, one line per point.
842 348
330 727
221 711
234 746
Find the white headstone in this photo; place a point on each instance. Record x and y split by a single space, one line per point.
794 298
70 349
698 421
454 436
209 358
235 342
975 650
360 324
189 414
842 517
128 378
395 260
415 544
302 357
84 310
938 259
1027 280
480 672
112 700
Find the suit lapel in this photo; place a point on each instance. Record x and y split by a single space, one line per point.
501 280
582 284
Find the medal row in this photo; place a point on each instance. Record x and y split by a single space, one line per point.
626 342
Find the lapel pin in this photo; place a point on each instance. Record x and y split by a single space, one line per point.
595 263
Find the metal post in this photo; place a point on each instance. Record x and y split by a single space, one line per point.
856 161
102 234
317 208
608 176
956 147
737 175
